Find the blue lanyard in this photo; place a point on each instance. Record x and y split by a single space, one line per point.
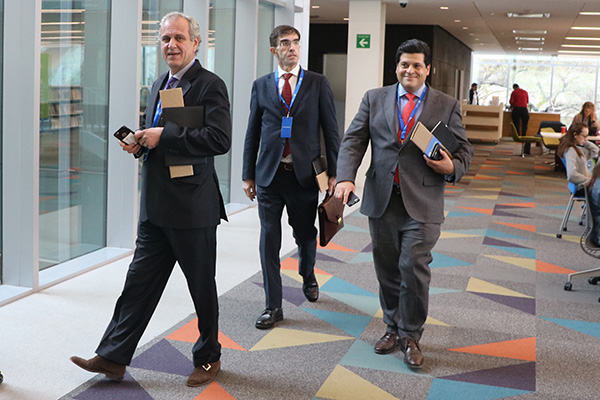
300 78
412 115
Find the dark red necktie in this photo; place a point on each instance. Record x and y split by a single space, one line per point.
286 93
408 109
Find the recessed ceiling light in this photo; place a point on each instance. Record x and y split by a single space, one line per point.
465 27
530 48
526 42
346 19
586 46
443 8
457 20
586 28
315 6
529 32
582 38
536 39
578 52
528 15
589 13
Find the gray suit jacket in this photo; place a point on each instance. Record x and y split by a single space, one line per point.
377 123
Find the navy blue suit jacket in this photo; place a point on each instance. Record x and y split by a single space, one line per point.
313 108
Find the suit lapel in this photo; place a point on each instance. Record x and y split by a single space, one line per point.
154 99
186 80
390 102
429 107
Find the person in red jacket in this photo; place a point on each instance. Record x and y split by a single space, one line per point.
519 99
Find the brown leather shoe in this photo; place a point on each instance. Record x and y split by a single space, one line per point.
204 374
101 365
412 352
387 343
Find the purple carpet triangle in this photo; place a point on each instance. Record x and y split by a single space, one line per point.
324 257
106 389
520 376
496 242
502 193
368 249
520 303
499 213
292 294
163 357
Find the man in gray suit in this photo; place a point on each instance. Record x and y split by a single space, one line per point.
404 190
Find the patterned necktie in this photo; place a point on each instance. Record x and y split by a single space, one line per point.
286 93
408 109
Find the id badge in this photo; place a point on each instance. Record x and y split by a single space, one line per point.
286 127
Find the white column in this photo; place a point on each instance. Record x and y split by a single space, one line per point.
365 65
124 100
20 143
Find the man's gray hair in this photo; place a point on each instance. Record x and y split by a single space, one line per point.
194 28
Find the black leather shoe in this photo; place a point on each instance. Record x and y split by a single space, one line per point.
310 287
412 352
268 318
387 343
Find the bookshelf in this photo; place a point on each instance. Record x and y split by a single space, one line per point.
483 122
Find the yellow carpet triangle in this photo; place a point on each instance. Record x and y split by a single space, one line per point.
479 286
494 189
321 278
488 197
281 337
433 321
344 384
570 238
456 235
527 263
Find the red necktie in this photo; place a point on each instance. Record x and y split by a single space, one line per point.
408 109
286 93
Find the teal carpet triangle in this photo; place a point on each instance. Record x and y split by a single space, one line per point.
362 258
589 328
497 234
455 214
341 286
367 304
443 389
474 232
442 261
353 228
435 290
361 355
350 323
529 253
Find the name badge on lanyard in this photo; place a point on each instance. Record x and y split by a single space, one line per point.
286 121
412 115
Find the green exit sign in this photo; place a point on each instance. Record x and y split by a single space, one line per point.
363 41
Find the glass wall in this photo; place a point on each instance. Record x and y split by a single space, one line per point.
220 44
266 23
73 128
560 84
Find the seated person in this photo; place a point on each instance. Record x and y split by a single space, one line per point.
594 205
588 117
576 150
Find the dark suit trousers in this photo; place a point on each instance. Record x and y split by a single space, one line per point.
157 250
520 117
402 253
301 205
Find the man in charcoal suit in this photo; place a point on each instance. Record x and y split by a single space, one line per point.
181 206
287 109
404 190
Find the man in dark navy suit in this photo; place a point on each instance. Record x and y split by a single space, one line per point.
287 109
181 206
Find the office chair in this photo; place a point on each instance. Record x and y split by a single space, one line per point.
522 139
550 143
574 197
590 248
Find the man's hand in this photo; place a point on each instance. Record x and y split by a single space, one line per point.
250 189
149 137
343 190
132 148
445 166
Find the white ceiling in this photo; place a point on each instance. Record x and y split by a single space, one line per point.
484 26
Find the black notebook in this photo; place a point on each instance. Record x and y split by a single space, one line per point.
446 137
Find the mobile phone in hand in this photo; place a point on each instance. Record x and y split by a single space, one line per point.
126 135
352 199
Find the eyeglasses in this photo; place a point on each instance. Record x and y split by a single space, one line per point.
287 43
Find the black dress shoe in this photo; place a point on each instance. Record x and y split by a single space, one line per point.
412 352
310 287
268 318
387 343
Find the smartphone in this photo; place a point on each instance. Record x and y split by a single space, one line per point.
352 199
125 135
436 152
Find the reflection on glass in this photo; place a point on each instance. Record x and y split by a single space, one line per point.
73 128
220 43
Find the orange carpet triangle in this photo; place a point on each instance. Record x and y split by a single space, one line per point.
214 391
525 227
488 211
525 205
291 264
515 173
520 349
189 333
333 246
485 177
542 266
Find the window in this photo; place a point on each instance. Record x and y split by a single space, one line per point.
73 128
